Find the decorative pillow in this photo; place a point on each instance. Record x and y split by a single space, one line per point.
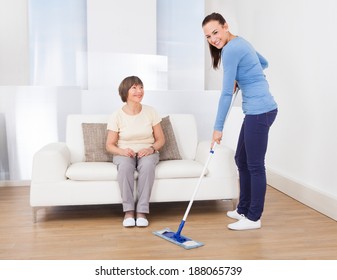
94 136
170 149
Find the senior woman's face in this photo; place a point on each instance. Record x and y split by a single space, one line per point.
136 93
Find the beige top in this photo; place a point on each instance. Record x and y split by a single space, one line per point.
135 131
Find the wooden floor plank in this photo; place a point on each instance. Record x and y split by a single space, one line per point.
290 231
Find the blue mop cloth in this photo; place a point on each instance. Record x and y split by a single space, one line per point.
180 240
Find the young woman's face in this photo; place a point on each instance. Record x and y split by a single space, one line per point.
216 34
136 93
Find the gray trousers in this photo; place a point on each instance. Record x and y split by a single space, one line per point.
145 167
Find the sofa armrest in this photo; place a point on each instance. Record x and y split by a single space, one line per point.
222 162
50 163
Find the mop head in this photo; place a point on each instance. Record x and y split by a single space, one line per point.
182 241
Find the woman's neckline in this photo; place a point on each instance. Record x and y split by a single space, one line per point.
126 109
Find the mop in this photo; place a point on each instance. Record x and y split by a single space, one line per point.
176 237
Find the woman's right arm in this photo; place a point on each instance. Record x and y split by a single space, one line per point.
111 143
112 148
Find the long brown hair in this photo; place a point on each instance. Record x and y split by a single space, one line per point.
215 52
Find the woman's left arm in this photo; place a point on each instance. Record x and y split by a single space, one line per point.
159 138
159 141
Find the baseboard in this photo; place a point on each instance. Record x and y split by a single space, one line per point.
20 183
321 202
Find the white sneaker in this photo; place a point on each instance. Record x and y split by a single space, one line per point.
235 215
129 222
245 224
142 222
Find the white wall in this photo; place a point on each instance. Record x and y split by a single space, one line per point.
126 27
303 57
31 117
57 42
122 41
179 38
13 43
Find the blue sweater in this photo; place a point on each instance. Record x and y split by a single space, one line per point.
243 64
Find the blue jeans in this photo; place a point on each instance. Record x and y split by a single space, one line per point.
250 160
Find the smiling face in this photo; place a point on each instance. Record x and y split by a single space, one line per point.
216 34
129 87
135 93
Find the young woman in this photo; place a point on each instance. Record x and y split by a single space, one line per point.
243 67
134 137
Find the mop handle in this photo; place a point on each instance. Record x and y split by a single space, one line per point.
208 159
199 181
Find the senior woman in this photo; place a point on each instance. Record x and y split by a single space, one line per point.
134 138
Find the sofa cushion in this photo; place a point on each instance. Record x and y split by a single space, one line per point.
170 149
94 137
179 169
74 134
107 171
92 171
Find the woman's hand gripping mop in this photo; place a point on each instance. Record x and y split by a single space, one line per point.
176 237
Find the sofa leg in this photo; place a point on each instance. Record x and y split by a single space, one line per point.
35 209
234 203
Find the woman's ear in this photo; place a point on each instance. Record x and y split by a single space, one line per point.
225 27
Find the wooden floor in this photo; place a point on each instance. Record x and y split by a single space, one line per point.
291 231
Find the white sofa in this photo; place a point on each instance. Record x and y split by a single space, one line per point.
61 176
